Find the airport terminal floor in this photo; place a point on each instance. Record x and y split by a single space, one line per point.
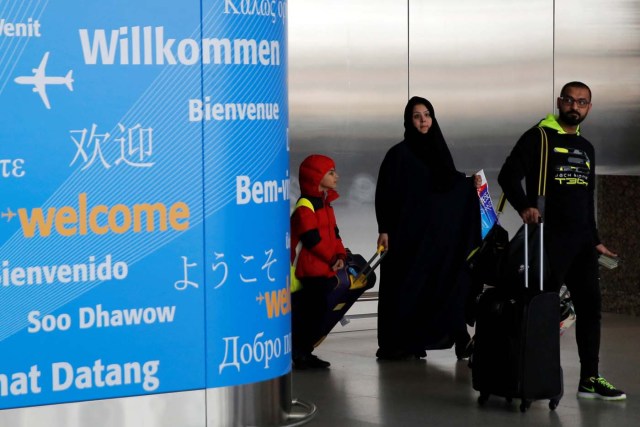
359 391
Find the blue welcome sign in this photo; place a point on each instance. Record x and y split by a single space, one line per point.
143 198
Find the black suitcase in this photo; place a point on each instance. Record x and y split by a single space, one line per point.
357 277
517 344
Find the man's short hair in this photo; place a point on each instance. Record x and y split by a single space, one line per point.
575 84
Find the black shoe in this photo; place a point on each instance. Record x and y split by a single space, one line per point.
383 354
464 350
309 361
420 354
599 388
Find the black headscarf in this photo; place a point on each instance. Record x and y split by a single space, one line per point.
431 147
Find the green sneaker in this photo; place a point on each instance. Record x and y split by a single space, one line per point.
599 388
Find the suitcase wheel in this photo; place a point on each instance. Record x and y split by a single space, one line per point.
482 398
525 405
553 404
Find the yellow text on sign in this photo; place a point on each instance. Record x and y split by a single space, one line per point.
102 219
278 302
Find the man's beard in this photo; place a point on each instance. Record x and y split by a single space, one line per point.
572 118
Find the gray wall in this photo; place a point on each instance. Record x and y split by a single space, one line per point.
491 69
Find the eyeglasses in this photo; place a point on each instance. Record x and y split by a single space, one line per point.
567 100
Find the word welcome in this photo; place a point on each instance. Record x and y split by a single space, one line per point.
82 219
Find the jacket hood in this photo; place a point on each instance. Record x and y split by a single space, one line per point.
551 122
312 170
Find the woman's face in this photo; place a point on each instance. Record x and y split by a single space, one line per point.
421 117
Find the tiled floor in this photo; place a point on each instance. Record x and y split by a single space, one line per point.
359 391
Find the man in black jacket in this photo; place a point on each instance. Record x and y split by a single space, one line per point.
571 237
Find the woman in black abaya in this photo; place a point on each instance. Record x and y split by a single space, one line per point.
429 220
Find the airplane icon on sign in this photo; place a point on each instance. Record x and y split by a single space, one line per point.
40 81
9 214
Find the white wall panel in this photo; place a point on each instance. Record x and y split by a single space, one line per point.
347 89
598 42
487 67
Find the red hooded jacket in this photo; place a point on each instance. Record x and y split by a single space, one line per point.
317 229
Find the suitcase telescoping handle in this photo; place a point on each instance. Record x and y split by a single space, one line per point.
359 279
526 253
379 253
540 204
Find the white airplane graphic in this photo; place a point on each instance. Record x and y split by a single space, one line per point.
9 214
39 80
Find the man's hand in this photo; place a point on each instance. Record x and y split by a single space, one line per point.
338 265
602 249
530 216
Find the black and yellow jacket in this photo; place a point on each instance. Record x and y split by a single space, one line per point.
569 181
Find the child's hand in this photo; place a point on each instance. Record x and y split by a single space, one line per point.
338 265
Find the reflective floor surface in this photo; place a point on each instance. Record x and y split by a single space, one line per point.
359 391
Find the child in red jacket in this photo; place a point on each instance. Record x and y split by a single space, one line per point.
321 255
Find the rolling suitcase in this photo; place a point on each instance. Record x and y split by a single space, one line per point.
517 343
357 277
